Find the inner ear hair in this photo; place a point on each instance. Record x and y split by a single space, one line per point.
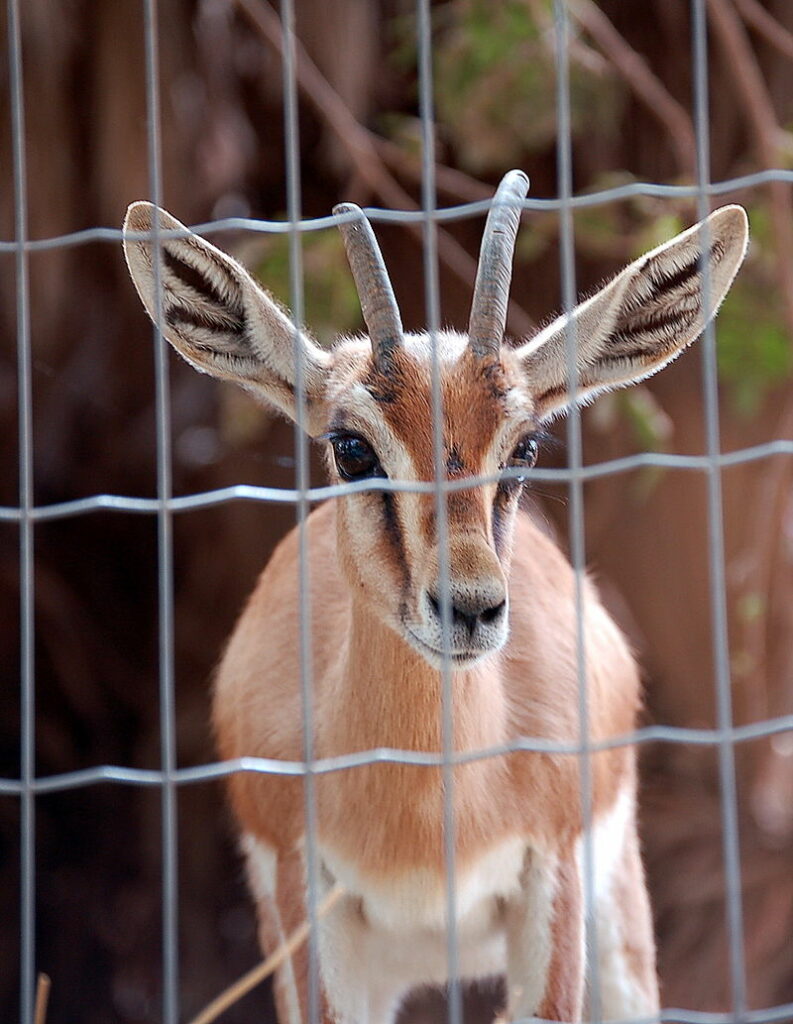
642 319
216 316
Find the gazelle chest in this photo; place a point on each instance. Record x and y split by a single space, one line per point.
417 898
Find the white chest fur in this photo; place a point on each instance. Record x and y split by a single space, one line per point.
417 899
387 936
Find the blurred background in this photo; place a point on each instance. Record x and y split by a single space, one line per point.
98 849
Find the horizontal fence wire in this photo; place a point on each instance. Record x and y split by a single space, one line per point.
723 738
446 214
671 734
290 496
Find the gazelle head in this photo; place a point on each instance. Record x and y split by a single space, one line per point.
370 399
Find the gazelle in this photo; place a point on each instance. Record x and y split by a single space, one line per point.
378 637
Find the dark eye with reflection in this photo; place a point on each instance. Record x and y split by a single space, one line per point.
355 458
524 455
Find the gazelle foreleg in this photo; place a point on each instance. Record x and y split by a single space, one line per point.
626 947
545 941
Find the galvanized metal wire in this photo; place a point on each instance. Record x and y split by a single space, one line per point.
429 202
27 767
169 777
575 459
302 508
164 514
598 197
716 565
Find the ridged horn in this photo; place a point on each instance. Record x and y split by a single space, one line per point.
380 311
494 273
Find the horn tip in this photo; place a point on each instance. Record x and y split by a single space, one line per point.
340 209
517 179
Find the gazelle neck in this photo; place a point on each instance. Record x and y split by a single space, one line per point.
388 695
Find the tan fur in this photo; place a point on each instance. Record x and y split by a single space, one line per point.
529 690
377 640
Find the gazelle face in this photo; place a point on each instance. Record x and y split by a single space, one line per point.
371 399
380 425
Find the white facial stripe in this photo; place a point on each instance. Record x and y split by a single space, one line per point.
362 415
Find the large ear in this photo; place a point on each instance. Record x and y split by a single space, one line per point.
642 319
217 317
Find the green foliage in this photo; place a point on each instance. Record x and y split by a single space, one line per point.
332 306
495 82
752 606
754 351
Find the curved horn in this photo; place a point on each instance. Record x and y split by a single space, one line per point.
494 273
378 304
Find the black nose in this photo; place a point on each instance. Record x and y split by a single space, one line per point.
469 612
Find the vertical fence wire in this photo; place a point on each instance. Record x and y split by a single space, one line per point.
716 550
429 202
27 843
575 519
723 735
297 301
166 656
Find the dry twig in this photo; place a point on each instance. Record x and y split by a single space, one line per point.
257 975
42 998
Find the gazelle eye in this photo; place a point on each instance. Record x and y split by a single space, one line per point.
525 452
524 456
355 458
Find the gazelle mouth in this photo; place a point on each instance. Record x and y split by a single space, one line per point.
440 656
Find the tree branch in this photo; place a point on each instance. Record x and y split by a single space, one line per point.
362 147
754 14
761 120
642 80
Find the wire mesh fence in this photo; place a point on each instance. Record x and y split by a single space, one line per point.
169 777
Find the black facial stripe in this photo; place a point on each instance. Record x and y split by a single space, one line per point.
498 524
505 492
381 395
454 461
384 387
394 533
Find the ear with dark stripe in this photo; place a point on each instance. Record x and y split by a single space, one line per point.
217 317
642 319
